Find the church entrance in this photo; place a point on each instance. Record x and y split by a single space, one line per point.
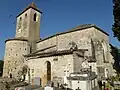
48 71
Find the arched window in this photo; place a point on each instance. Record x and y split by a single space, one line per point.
20 19
35 16
26 15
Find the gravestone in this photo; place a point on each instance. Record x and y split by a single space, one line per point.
36 81
48 88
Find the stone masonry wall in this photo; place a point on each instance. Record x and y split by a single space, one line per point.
38 66
46 43
80 37
13 57
83 40
30 29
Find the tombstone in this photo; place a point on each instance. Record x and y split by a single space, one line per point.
48 88
55 81
37 81
82 81
50 84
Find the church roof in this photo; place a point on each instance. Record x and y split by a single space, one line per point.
33 6
53 53
80 27
17 39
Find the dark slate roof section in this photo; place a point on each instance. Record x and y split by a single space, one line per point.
17 39
43 49
81 27
53 53
33 6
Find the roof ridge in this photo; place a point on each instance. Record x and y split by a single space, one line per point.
80 27
33 6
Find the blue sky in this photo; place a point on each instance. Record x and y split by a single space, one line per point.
58 16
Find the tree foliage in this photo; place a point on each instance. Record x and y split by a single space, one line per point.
116 56
116 13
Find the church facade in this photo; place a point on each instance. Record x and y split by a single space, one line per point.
55 57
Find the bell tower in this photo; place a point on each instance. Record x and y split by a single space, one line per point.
28 24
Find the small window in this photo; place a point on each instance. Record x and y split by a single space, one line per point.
35 16
16 54
20 18
26 15
20 48
25 48
20 23
15 68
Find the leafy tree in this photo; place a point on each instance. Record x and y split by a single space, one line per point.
1 67
116 13
116 56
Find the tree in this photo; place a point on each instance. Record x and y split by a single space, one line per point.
116 13
1 67
116 56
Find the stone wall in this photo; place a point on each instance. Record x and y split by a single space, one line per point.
38 66
30 29
82 38
101 36
47 43
14 51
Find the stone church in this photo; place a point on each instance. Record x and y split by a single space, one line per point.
52 58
